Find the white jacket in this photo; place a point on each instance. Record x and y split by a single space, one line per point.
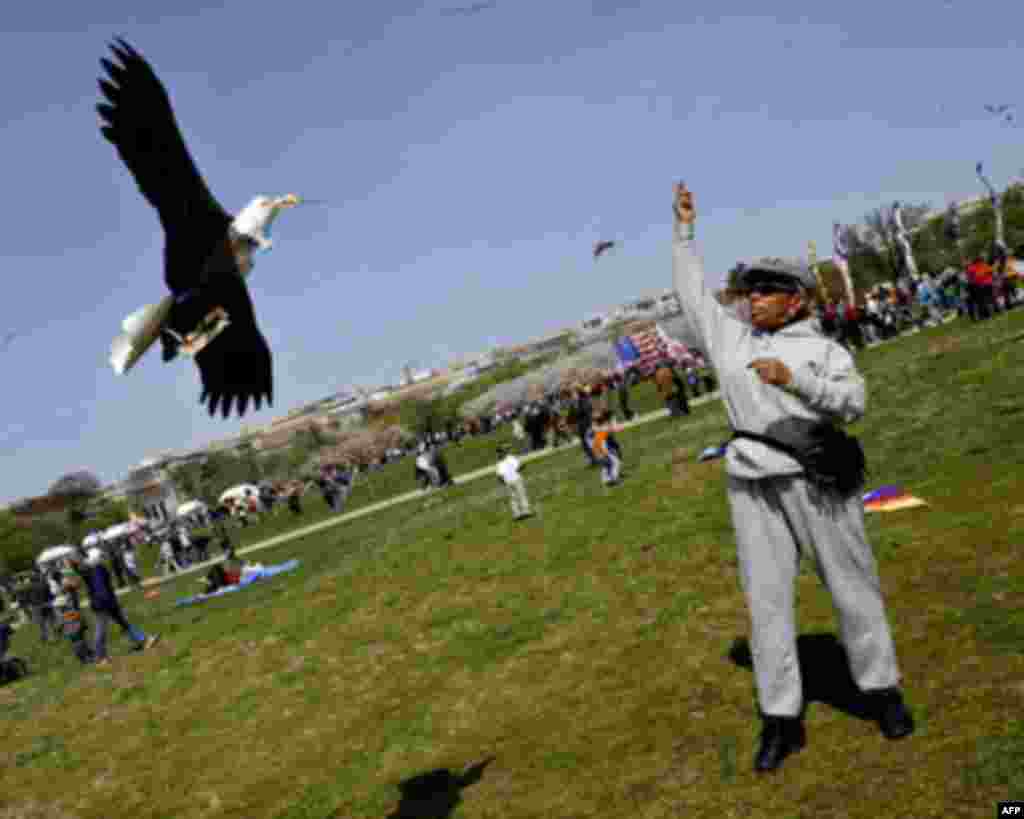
826 385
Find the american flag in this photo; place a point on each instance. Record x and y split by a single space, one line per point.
654 345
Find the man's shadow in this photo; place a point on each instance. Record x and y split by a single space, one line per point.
824 669
435 794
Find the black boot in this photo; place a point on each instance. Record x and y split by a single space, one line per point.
780 737
891 713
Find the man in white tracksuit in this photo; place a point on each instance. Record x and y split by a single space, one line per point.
780 376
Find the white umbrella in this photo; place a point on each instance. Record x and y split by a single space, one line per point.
120 530
55 553
190 508
239 491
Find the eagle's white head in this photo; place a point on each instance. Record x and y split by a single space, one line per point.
255 219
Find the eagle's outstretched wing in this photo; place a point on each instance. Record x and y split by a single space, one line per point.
140 123
236 366
602 247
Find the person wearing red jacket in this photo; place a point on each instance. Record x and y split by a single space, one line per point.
980 288
852 334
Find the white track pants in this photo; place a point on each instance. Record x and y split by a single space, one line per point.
775 520
517 496
610 466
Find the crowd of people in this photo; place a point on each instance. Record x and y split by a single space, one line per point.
979 291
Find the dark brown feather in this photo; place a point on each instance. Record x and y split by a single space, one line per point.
140 122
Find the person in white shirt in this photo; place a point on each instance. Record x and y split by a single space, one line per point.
424 465
508 474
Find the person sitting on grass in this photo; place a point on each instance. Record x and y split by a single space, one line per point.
106 607
228 573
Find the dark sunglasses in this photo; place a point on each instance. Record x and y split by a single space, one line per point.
769 289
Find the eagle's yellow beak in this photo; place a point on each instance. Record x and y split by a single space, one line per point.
289 201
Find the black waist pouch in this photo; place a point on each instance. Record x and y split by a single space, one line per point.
831 459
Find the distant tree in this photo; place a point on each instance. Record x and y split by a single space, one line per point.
106 513
422 415
831 281
276 466
306 443
77 490
246 453
24 536
205 480
17 544
616 329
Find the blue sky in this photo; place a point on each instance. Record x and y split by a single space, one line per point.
469 163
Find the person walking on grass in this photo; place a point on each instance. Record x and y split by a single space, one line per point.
40 601
106 608
426 472
508 475
606 448
437 459
786 386
672 390
583 416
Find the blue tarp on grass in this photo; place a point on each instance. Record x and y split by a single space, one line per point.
267 571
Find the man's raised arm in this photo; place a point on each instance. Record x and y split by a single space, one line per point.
706 319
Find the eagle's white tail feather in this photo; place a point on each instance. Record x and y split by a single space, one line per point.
141 329
136 321
120 352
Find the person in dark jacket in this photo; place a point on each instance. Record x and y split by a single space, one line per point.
584 415
535 425
107 609
441 465
623 383
116 563
40 606
672 390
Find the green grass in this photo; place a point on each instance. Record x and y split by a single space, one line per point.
585 649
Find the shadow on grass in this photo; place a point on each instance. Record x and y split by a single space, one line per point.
824 669
435 794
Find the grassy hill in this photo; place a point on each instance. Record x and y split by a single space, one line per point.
595 651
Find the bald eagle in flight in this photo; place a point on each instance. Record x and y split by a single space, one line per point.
602 247
207 253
